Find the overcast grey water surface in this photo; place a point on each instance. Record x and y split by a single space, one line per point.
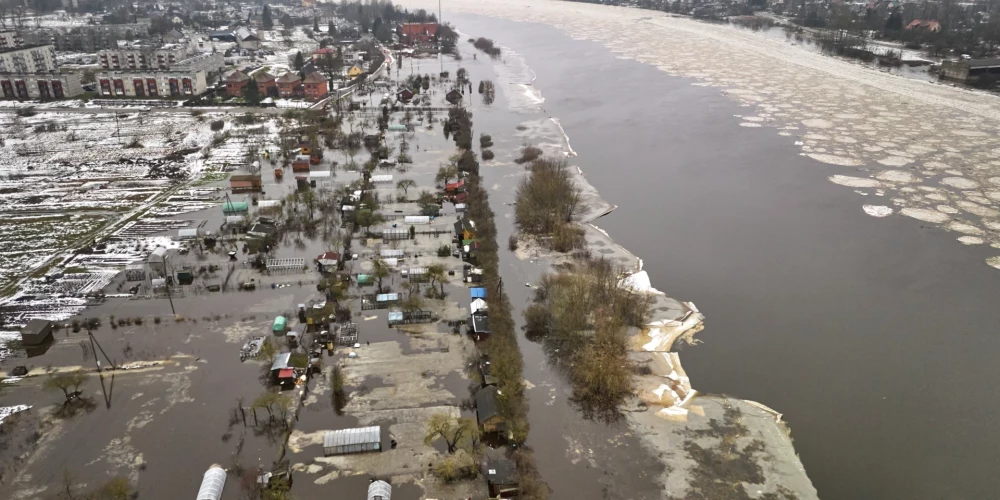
876 338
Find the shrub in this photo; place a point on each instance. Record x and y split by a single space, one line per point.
485 141
529 153
134 143
487 155
217 125
444 251
512 242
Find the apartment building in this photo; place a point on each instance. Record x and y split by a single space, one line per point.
188 77
142 57
31 72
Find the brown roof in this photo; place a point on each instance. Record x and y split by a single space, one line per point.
289 77
263 76
237 76
244 178
314 77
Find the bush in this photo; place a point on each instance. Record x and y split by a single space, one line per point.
485 141
217 125
512 242
134 143
487 155
444 251
529 153
26 112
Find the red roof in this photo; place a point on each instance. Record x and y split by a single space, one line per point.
286 373
454 185
329 256
418 28
325 50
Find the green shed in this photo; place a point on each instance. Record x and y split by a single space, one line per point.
279 324
235 207
365 279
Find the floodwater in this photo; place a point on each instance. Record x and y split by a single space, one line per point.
874 336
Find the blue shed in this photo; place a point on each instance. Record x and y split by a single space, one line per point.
478 293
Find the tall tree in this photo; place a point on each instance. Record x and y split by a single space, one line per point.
316 24
251 94
267 20
299 61
331 30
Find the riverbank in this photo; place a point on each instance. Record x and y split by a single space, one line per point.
796 278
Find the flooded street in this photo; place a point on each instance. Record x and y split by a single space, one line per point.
873 336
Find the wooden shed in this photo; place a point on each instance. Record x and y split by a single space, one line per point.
244 183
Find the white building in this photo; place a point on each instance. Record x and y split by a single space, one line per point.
188 77
31 72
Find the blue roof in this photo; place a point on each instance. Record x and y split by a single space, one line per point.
478 293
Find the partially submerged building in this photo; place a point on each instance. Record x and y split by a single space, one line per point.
501 476
36 332
212 484
488 411
358 440
970 70
244 183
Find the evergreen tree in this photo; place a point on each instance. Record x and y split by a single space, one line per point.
316 24
299 61
331 30
251 94
267 21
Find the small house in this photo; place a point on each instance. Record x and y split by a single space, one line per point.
465 229
455 187
328 261
261 230
479 326
301 163
454 96
472 274
244 183
404 96
354 72
358 440
235 208
470 248
477 306
488 411
501 477
486 372
319 54
36 332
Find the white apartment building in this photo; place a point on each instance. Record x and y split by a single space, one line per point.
31 72
187 77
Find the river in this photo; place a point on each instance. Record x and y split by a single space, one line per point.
874 336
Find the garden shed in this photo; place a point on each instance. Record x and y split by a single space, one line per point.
357 440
